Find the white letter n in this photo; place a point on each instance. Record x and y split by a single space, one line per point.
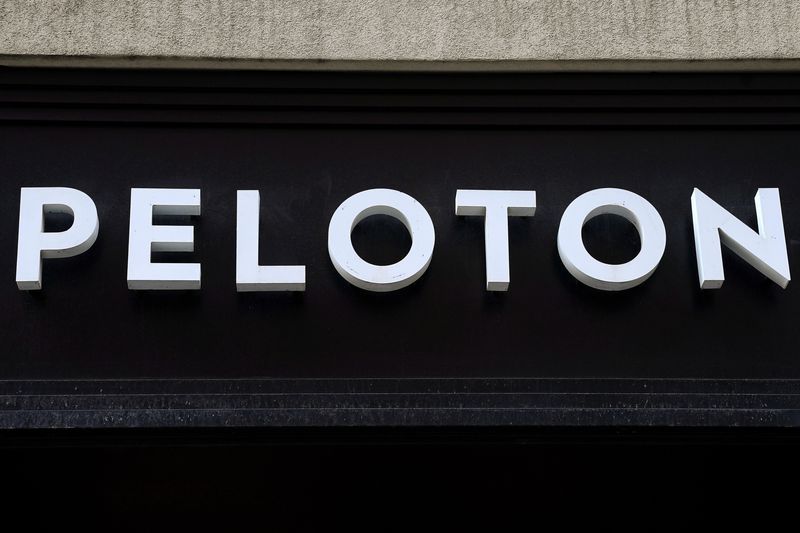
765 250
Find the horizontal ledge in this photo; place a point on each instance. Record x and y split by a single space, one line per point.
409 65
432 385
400 417
444 401
398 402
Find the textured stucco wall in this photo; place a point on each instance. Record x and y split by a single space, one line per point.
401 33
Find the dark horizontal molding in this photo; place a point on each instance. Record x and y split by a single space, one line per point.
398 402
449 82
308 99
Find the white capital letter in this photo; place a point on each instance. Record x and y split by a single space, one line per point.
637 211
145 238
765 250
381 202
34 243
249 275
496 206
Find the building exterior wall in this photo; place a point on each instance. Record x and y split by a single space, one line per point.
410 34
443 404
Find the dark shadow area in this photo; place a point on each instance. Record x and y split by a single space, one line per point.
392 479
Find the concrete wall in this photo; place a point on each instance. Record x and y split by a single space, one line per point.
418 34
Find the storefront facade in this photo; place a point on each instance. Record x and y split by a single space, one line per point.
558 193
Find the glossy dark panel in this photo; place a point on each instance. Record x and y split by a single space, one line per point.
308 142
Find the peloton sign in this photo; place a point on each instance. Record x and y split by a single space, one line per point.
765 249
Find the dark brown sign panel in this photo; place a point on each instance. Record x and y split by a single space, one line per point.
87 351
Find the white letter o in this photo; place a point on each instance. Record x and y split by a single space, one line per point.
381 278
603 276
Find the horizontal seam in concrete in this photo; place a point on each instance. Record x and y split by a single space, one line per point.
664 65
